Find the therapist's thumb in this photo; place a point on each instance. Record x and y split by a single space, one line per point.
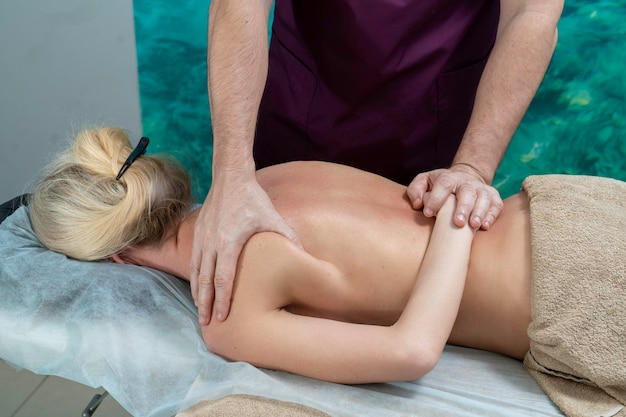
289 233
417 189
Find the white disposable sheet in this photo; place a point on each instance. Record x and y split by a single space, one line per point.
134 332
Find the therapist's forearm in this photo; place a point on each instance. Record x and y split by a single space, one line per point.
520 57
237 60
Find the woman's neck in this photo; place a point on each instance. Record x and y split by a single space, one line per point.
172 254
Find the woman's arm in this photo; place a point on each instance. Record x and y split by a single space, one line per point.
271 337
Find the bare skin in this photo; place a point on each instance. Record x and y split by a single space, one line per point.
236 208
364 266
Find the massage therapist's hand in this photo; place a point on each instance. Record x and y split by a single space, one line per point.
477 202
230 215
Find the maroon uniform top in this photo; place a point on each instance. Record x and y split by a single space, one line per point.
383 85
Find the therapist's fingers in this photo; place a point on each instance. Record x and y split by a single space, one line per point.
444 183
202 266
495 204
478 204
205 294
419 189
223 280
466 197
430 190
217 251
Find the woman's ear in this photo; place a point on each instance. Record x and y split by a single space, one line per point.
122 258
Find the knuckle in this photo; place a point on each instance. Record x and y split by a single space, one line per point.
222 242
221 281
497 205
446 181
467 190
421 181
205 280
482 201
484 191
493 213
194 269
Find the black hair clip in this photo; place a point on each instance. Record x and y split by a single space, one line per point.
139 150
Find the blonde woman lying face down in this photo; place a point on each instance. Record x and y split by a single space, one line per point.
377 292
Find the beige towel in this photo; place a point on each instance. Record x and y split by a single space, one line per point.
249 406
578 299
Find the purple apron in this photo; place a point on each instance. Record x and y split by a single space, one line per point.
383 85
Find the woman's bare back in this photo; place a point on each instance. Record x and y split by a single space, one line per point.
364 226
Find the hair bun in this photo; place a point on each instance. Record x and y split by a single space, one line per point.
81 210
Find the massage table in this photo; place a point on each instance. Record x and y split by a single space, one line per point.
134 332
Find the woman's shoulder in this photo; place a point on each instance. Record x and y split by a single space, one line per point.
273 272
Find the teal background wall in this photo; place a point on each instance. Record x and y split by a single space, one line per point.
576 124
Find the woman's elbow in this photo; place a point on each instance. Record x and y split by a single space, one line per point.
417 359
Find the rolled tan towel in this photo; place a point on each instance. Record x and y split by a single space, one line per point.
578 296
249 406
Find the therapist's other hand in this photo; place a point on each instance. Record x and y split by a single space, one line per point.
477 202
230 215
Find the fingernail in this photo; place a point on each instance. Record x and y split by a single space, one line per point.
477 220
220 316
428 212
461 217
203 319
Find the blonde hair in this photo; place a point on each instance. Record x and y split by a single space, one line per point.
79 209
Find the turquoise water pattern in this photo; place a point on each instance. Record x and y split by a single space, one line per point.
576 124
